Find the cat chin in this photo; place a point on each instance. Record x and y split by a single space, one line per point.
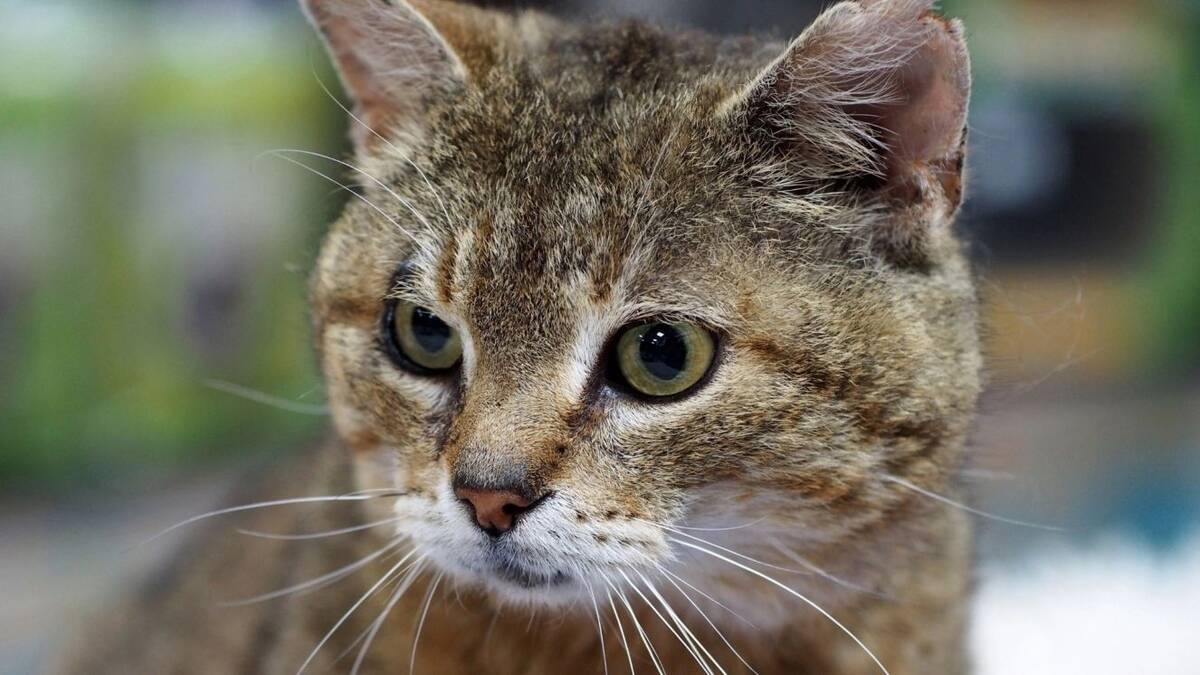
517 586
568 593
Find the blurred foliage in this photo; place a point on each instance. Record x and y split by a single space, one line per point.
1171 297
102 364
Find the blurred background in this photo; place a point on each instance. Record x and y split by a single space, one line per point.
153 266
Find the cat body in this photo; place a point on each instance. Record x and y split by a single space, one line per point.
646 350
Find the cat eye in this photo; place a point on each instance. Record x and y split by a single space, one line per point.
663 359
420 341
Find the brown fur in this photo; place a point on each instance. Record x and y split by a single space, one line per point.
546 184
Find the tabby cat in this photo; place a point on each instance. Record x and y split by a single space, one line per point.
646 350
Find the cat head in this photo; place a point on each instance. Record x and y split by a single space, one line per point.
599 284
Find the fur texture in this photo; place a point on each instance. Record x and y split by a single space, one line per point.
543 185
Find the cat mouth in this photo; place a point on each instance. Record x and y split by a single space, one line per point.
519 575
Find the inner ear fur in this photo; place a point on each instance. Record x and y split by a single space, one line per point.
871 100
392 60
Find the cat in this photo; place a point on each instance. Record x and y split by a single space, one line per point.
646 351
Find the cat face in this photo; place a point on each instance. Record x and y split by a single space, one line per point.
604 285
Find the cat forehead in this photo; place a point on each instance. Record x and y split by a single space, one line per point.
499 266
587 208
560 163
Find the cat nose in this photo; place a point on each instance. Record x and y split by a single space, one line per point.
496 511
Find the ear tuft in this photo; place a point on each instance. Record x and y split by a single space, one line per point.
393 62
873 98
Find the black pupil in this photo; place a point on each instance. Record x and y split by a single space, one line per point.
429 331
663 351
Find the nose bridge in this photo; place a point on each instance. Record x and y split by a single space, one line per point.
505 439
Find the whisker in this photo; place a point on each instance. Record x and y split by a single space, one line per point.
686 645
986 474
599 625
412 659
800 560
382 492
266 399
708 597
316 535
409 579
730 551
638 626
784 587
387 142
682 625
371 591
368 637
395 223
390 587
316 583
621 630
279 152
958 505
704 616
260 505
722 529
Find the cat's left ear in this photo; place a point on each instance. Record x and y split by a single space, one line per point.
873 99
393 61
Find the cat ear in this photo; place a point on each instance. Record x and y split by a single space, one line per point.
872 98
392 60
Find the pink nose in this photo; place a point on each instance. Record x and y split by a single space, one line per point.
496 511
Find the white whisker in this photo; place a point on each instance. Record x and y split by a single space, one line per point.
390 588
266 399
791 591
386 492
800 560
704 616
986 474
412 659
721 529
958 505
621 630
599 624
678 636
316 535
371 591
730 551
708 597
317 583
387 609
638 626
395 223
260 505
682 625
279 152
391 145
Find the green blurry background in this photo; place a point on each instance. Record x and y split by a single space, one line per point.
146 248
152 261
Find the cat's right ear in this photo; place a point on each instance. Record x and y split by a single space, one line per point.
871 99
393 63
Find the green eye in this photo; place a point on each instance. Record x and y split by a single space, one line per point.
424 343
664 359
